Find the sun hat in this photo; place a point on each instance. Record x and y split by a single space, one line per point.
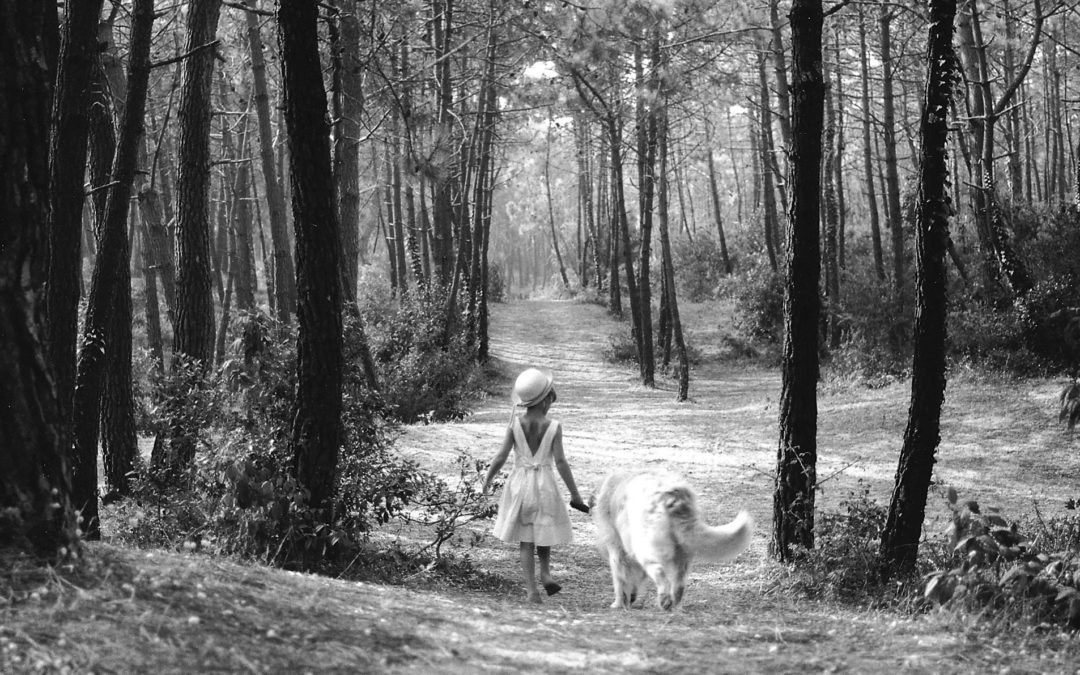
532 386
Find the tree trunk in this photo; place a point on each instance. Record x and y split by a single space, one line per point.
768 196
714 190
67 165
34 487
284 282
868 155
193 332
780 70
832 230
316 427
550 205
900 539
668 269
888 122
796 470
349 107
100 331
243 222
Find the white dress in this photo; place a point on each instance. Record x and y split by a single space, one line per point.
532 508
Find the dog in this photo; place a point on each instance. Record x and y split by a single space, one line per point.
648 524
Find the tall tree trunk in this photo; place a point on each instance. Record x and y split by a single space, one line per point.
550 204
111 270
888 122
838 156
442 213
34 485
67 165
284 282
900 539
193 332
868 154
349 107
242 224
768 197
832 230
714 190
796 470
780 70
316 429
668 269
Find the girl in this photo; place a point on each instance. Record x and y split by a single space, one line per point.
531 511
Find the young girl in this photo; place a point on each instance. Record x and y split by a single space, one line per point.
531 510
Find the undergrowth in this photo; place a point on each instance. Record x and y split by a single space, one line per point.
239 496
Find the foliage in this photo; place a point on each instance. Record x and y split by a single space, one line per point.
426 369
1000 574
241 497
874 329
844 564
621 346
698 267
496 286
758 293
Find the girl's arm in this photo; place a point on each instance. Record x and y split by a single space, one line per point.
564 467
500 459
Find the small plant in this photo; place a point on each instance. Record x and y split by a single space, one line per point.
844 563
1000 573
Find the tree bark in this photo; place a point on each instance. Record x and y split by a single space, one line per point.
111 271
348 106
900 539
34 486
284 282
67 164
316 428
868 155
668 269
796 471
892 175
193 330
193 335
770 218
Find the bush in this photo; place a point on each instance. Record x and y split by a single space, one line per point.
698 267
998 573
758 293
845 562
241 498
425 366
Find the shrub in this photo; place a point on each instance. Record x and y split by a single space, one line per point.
845 563
698 267
241 497
998 573
425 365
758 293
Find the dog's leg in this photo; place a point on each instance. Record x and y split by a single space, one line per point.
615 560
665 595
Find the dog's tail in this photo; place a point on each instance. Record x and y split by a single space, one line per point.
724 542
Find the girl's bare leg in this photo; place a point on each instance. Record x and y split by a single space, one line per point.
528 568
544 553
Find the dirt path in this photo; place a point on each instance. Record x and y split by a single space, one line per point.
999 441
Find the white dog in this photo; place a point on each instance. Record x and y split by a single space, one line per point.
648 524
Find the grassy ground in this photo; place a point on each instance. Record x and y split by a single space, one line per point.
138 611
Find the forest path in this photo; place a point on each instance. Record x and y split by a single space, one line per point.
167 612
1000 442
